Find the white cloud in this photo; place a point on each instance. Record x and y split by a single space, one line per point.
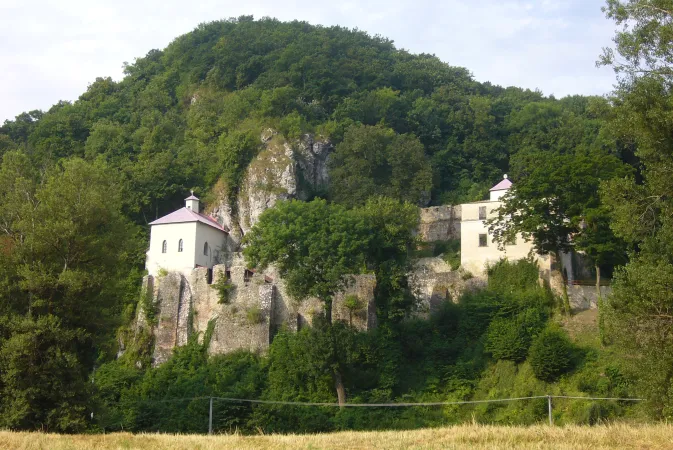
53 49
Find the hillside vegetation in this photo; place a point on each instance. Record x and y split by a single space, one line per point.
80 182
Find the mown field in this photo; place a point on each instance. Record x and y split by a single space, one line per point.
465 436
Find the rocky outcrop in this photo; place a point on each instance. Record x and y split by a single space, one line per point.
282 170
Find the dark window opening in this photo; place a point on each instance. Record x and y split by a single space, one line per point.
180 245
206 249
247 276
164 247
209 276
227 274
483 240
482 213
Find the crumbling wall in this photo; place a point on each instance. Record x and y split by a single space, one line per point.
244 321
439 223
433 282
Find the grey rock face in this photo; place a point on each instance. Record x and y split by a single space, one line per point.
281 171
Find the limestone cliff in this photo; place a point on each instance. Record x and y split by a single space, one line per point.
282 170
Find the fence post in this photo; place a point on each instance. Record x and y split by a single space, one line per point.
210 417
551 418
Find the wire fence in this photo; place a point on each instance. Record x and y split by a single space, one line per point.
549 399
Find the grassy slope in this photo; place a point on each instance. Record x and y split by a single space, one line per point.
466 436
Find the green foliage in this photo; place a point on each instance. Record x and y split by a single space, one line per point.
224 288
551 354
374 161
450 252
507 277
507 338
43 379
315 245
148 307
254 315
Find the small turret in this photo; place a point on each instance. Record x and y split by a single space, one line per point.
192 202
500 189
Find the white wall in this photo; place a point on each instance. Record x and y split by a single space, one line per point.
473 258
215 238
494 196
172 259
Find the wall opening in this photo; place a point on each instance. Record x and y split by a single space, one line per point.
209 276
247 275
180 245
482 213
483 240
164 247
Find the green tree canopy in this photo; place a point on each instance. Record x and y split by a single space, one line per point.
373 160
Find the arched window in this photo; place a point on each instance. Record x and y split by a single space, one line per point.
164 247
180 245
206 249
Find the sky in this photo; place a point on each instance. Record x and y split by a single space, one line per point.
51 50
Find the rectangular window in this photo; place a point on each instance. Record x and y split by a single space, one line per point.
511 241
483 240
482 213
247 275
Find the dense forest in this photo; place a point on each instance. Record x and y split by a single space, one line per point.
80 182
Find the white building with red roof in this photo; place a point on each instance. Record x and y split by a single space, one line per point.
185 239
477 248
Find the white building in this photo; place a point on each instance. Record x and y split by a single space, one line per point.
477 248
184 239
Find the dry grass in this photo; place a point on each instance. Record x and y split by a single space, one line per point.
464 436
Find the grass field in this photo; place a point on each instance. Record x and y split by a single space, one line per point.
465 436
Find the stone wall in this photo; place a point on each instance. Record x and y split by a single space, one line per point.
440 223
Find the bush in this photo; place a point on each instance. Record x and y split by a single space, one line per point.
506 277
254 315
506 339
551 354
224 288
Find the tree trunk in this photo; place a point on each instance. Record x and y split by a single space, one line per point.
566 299
339 386
336 373
598 281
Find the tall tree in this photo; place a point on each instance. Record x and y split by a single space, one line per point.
67 250
640 310
548 204
377 161
316 248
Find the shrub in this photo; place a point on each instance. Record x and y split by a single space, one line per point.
224 288
506 277
551 354
506 339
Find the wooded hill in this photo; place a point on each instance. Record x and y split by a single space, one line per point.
190 114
